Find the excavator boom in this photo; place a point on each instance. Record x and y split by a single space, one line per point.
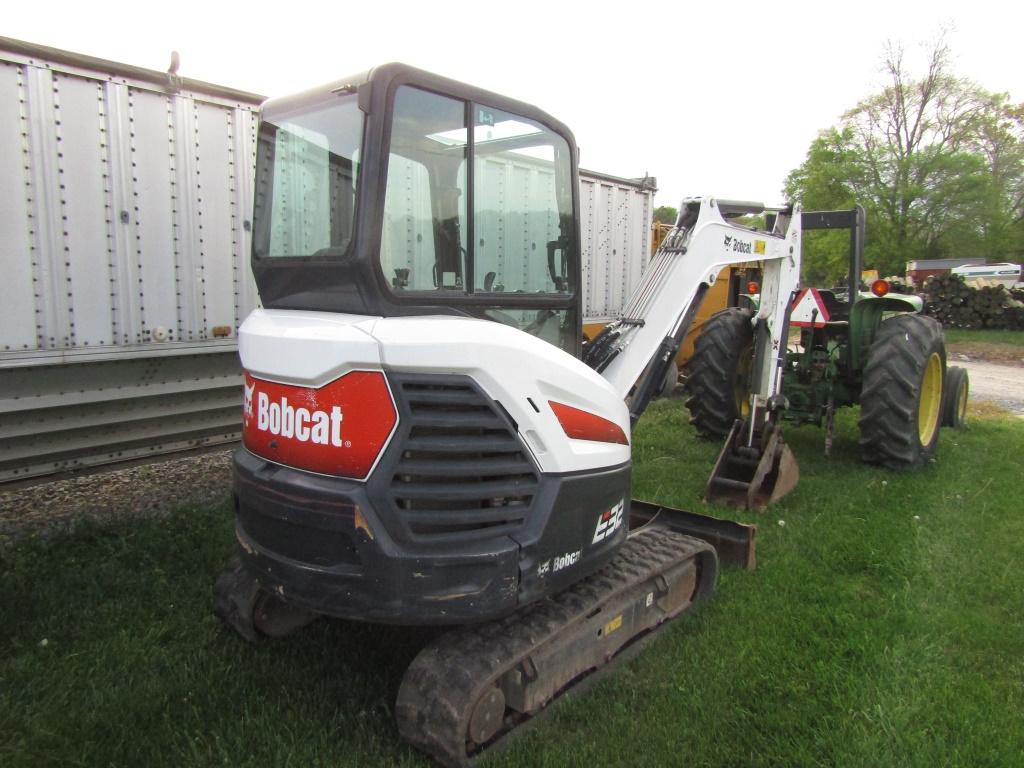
658 315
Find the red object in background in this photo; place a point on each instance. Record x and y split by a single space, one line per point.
339 429
583 425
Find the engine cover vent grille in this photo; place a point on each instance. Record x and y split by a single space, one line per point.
461 471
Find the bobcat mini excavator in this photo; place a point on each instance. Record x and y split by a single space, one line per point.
425 441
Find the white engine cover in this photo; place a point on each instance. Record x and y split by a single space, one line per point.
312 349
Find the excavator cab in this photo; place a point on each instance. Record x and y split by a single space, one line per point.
398 193
422 442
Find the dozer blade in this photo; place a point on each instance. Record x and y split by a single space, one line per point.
755 475
734 543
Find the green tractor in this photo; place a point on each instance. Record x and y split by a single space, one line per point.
870 348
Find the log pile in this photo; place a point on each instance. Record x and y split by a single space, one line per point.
957 305
899 285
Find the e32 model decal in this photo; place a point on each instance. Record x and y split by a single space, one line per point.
609 522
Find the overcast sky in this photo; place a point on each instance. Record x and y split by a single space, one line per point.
711 98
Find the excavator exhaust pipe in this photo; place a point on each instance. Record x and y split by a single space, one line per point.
754 469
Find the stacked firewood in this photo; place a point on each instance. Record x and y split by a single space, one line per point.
957 305
899 285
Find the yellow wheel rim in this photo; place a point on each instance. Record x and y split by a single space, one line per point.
742 383
931 400
961 404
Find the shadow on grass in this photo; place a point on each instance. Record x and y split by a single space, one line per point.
111 655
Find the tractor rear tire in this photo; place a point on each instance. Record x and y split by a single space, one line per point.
901 397
718 373
954 406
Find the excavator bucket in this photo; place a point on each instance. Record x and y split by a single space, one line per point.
753 470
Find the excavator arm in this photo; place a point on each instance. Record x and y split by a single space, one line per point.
634 353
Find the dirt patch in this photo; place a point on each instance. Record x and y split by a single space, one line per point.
987 409
998 384
1004 354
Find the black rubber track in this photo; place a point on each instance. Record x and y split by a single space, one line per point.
711 371
956 384
445 680
891 392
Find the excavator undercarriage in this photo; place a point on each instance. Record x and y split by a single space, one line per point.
469 689
473 685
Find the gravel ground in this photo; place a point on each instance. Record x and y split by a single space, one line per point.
110 495
999 384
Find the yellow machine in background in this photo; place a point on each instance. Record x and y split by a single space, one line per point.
658 232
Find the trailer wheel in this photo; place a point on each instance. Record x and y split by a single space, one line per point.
718 373
901 398
954 406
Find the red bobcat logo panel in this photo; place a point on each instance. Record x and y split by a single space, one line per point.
338 429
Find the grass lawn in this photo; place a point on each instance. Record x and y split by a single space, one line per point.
883 627
964 336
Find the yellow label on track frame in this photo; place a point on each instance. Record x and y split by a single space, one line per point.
612 625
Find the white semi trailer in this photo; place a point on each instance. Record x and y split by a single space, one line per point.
125 239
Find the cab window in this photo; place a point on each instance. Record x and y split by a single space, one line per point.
522 216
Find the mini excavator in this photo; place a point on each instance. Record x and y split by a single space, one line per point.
426 439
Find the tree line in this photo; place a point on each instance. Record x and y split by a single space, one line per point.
936 161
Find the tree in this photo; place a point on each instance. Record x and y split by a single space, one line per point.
1001 143
665 214
828 180
935 161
